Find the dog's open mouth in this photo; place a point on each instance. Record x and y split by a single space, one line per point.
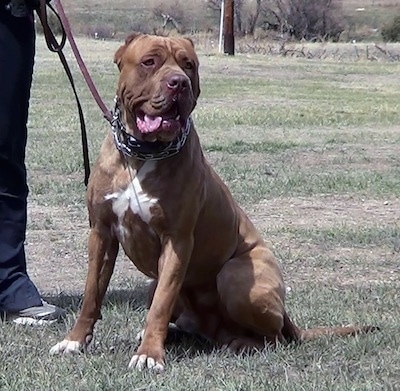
147 123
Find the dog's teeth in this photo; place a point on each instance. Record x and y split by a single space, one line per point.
178 117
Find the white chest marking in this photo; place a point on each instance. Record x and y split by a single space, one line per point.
133 197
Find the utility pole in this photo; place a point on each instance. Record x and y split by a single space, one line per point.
229 37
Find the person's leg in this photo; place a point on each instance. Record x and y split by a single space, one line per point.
19 298
17 46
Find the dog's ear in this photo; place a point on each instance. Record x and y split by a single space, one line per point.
131 37
190 40
121 49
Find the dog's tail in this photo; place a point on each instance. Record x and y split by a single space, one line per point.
309 334
292 333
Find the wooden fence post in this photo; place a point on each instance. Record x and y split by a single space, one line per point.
229 37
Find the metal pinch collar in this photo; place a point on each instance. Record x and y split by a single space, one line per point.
144 150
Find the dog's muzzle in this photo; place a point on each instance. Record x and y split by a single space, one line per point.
128 145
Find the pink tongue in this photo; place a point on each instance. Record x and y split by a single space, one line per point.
148 124
152 123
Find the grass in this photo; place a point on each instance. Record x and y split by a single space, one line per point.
323 364
350 236
309 149
362 363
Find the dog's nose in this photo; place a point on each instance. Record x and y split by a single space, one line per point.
177 83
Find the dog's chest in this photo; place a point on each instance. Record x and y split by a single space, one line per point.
133 198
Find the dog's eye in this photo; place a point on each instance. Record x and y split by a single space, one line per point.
188 65
149 62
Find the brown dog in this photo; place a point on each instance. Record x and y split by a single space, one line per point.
153 191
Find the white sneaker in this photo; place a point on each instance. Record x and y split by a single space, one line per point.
41 315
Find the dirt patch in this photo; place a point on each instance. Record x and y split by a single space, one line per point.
56 247
305 259
57 243
303 262
324 211
354 156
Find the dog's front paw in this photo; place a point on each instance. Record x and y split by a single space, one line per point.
145 359
68 347
139 336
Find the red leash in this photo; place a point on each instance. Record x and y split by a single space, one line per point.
56 47
64 20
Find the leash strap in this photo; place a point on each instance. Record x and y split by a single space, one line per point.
56 47
64 21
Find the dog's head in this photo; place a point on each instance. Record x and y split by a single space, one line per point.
158 85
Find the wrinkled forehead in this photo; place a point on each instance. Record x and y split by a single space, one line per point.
162 47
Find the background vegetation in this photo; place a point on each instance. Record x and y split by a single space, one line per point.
315 20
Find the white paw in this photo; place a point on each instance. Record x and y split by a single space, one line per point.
141 362
67 347
139 336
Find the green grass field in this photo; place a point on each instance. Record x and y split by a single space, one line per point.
309 148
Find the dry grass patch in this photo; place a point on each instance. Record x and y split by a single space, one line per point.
320 184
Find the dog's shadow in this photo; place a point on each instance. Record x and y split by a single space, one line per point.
180 343
135 298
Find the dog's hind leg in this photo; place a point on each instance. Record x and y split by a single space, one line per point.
251 289
103 250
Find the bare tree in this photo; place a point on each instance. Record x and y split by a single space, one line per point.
246 15
305 19
238 16
215 5
253 17
300 19
171 16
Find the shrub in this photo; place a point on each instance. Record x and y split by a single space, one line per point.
300 19
184 16
100 31
53 22
305 19
391 32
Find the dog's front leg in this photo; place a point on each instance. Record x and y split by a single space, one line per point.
103 250
173 263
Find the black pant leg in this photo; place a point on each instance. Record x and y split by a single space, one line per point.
17 49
